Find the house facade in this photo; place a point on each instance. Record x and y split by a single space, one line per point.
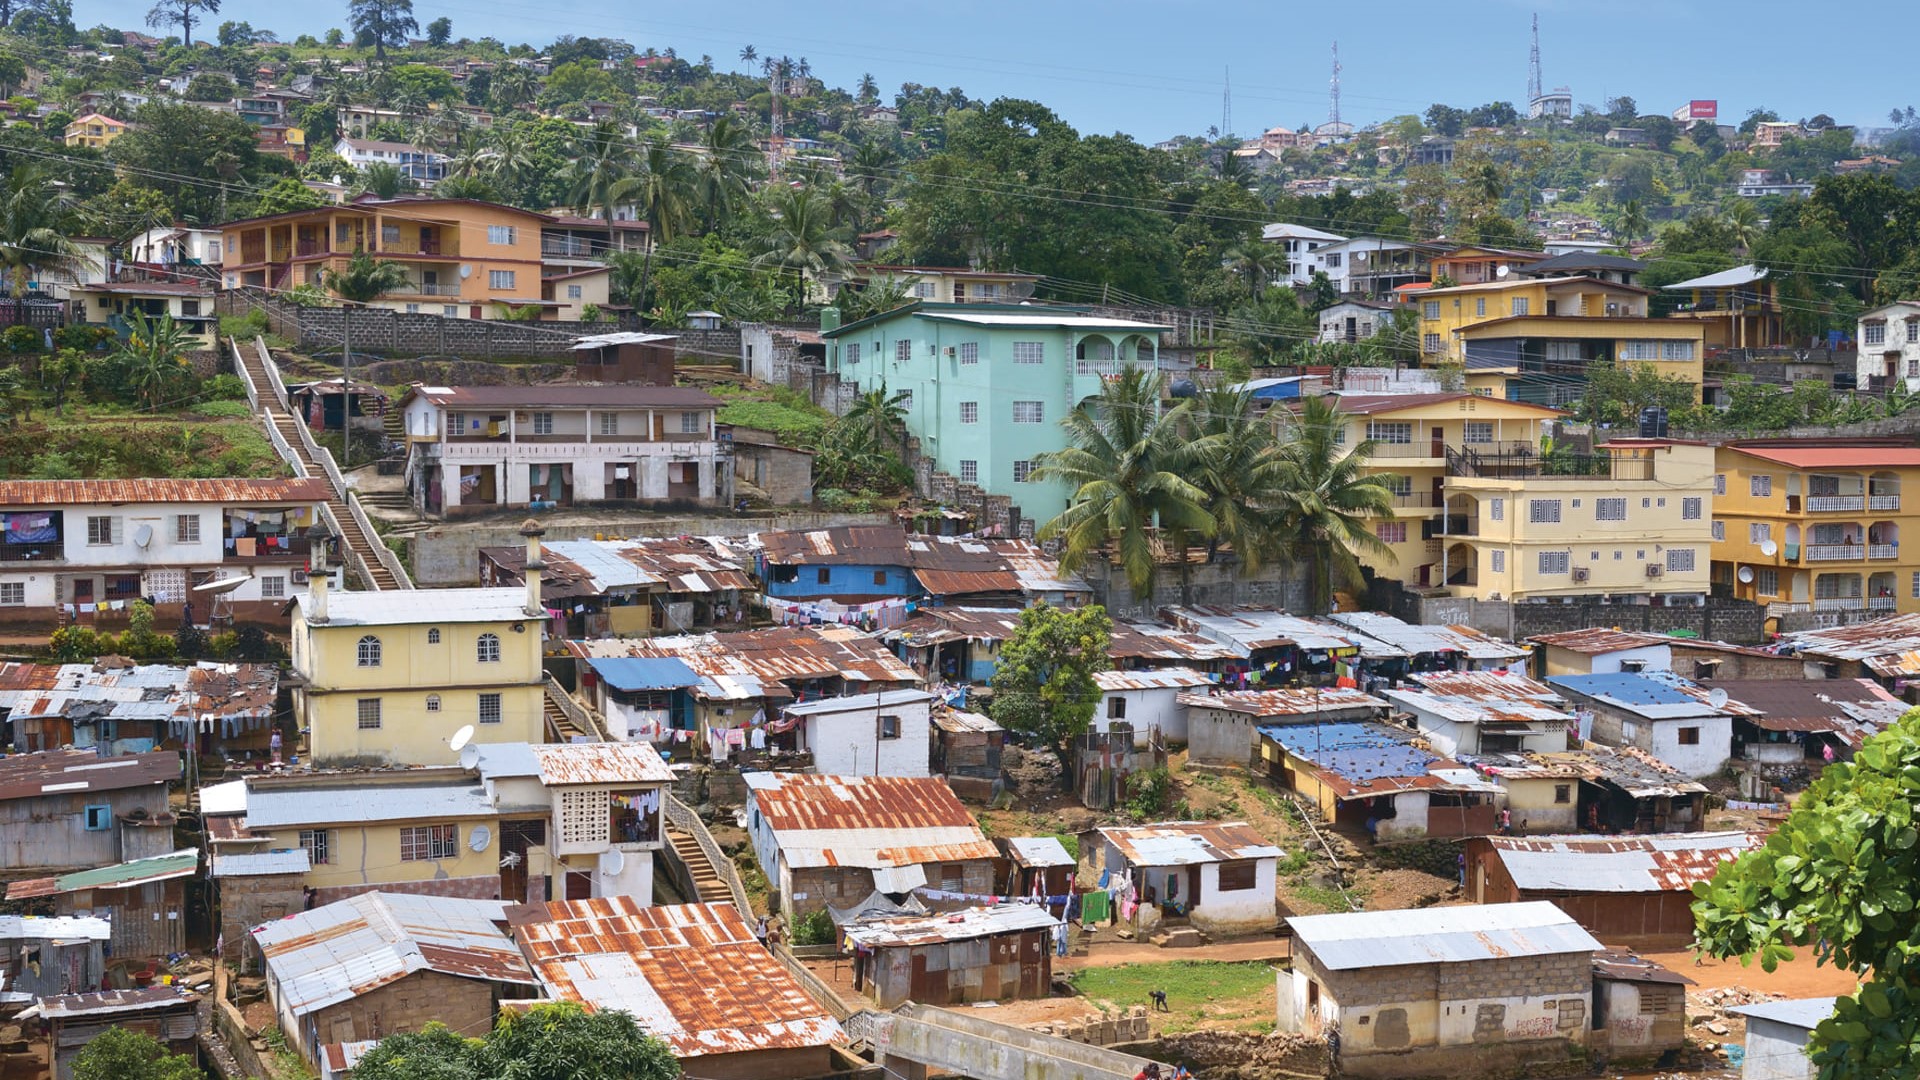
947 284
1658 712
1218 876
477 448
881 734
1625 888
1302 244
1738 308
419 165
1889 342
73 810
1002 953
987 384
94 131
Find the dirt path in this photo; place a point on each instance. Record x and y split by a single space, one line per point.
1113 955
1800 977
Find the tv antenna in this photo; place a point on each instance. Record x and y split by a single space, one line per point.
1533 63
1333 97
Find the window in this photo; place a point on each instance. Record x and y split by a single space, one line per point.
1690 509
889 727
1021 471
1382 432
1761 487
1719 530
573 292
1029 412
389 235
1479 431
367 713
690 423
427 842
1480 307
1519 305
186 528
1496 509
433 702
923 290
969 412
456 423
969 352
1399 485
902 351
1676 350
13 593
1430 309
488 648
102 530
273 587
1543 511
1639 350
1875 333
1913 331
1610 509
489 708
852 353
1333 260
368 652
543 423
1759 532
500 234
500 279
1116 708
1554 562
319 850
823 575
1679 560
1720 483
99 818
450 310
413 309
1689 736
906 399
1391 532
1766 582
969 472
1563 793
433 636
1498 564
609 423
1029 352
1430 343
1238 875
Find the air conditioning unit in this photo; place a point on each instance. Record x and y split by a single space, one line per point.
298 577
1654 569
1580 574
950 352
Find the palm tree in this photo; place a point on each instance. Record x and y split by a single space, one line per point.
1633 220
1241 467
364 280
1255 260
725 166
748 55
872 164
511 159
1233 169
661 190
869 89
799 237
881 415
384 180
602 160
1744 221
472 157
31 209
1329 499
513 85
1124 461
155 355
880 294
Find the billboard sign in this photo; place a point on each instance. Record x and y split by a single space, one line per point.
1703 110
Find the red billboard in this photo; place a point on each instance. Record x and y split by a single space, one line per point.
1703 110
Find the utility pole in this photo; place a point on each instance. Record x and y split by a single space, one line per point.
1533 64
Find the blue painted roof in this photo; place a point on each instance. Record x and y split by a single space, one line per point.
1626 686
644 672
1356 752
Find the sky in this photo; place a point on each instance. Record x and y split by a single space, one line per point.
1157 69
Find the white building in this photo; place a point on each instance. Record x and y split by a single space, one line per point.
884 734
1556 104
1889 339
602 801
1221 874
1674 720
1471 723
487 447
1301 243
1149 700
92 265
1777 1033
420 166
1354 320
73 546
176 245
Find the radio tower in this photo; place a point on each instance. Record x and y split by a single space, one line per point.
1333 97
1226 104
1533 63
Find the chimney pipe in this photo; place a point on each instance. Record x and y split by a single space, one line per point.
318 577
536 608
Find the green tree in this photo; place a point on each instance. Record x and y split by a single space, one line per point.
1330 500
439 31
433 1053
1125 464
287 194
726 164
565 1042
13 70
31 237
661 190
424 83
513 86
124 1054
185 14
1633 220
382 24
154 359
1615 393
883 415
364 280
603 160
581 80
1043 685
165 141
798 235
1240 466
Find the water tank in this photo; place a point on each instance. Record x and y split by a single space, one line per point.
1183 388
829 318
1653 422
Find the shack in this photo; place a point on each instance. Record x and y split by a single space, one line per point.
1223 728
1624 888
167 1014
1679 722
649 585
1600 651
1457 991
976 954
881 734
644 698
1639 1010
72 810
953 644
41 956
1379 778
1777 1034
1041 866
256 887
1216 876
966 751
1147 700
145 900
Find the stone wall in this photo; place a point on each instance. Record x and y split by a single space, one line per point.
1209 584
246 902
410 1004
1720 619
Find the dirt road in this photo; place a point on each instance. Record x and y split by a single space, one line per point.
1113 954
1799 977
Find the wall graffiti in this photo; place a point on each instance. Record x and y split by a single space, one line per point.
1538 1027
1630 1029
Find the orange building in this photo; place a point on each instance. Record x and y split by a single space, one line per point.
464 258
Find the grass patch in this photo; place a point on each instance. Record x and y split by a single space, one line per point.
1198 991
793 426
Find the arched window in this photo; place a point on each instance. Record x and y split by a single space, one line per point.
369 651
489 648
433 702
433 636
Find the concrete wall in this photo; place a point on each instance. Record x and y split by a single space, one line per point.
1736 621
1639 1021
848 743
1219 737
465 1005
1776 1051
246 902
1153 709
1215 585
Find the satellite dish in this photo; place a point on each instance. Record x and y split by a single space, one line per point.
143 536
469 757
1503 271
1359 256
612 861
461 738
466 271
222 585
1746 575
1768 547
1717 699
479 838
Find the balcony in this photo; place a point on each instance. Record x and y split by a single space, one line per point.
1835 552
1530 464
553 247
1880 603
419 289
1883 502
1841 603
1420 501
249 549
1788 607
1832 504
1883 551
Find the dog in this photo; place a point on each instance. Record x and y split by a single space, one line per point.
1159 1000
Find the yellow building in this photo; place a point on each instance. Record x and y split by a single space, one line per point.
1633 521
1816 527
94 130
1413 436
393 676
463 258
573 291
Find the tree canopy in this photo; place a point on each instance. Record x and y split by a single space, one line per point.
558 1041
1043 685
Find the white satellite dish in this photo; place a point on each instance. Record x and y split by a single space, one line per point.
143 536
1746 575
1503 271
461 738
222 585
1717 699
612 861
466 271
479 838
1768 547
469 757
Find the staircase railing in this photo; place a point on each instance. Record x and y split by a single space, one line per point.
581 716
681 816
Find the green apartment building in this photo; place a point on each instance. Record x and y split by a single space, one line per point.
988 384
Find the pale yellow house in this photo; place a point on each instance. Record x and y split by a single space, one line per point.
94 131
1632 520
574 290
1813 526
394 676
948 284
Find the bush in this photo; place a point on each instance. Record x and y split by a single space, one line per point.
814 929
245 327
221 646
72 644
223 409
85 337
224 387
190 643
23 339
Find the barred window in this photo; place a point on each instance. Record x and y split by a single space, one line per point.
1610 509
1543 511
969 352
489 708
1029 412
367 652
1029 352
367 713
969 412
424 843
1679 560
1555 562
1690 509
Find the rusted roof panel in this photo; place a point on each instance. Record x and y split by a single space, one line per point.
124 875
1417 639
204 694
938 625
159 490
964 582
562 764
1600 640
754 663
692 975
1488 686
109 1002
1251 629
1619 864
1188 843
1285 702
1439 935
963 925
1627 967
1153 641
1150 679
944 565
866 821
29 776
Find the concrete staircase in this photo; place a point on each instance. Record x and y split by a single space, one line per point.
706 880
561 726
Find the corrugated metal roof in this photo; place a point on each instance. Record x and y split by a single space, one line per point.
412 607
859 702
1888 637
672 564
963 925
756 663
956 720
1627 967
1600 640
341 950
62 928
1365 759
341 1057
1466 710
1189 843
1439 935
1655 695
564 764
631 673
124 875
1804 1013
1619 864
274 806
1152 641
29 776
938 625
226 798
159 490
692 975
263 863
1629 768
567 396
866 821
1420 639
108 1002
1286 702
1038 851
1150 679
944 565
1252 629
1488 686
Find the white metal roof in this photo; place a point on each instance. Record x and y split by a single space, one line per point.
1439 935
1038 851
1187 843
227 798
623 338
1415 638
1464 710
262 864
1725 279
1619 864
273 806
859 702
1075 322
49 928
951 926
1160 679
409 607
1286 230
1795 1012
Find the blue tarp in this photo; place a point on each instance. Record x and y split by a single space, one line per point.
633 673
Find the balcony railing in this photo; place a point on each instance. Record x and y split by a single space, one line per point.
1415 501
1840 603
1827 504
1788 607
1883 551
1532 465
429 290
1880 603
1835 552
571 249
1883 502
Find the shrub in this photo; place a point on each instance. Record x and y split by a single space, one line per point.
222 645
246 327
72 644
223 409
224 387
83 336
814 929
190 643
23 339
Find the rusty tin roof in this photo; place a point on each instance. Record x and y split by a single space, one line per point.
756 663
866 821
155 490
57 772
1186 843
1285 702
1600 639
1619 864
563 764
